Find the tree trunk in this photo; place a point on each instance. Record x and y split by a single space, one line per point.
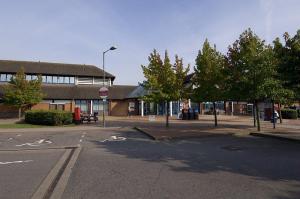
167 115
257 116
20 113
273 113
280 116
254 115
215 114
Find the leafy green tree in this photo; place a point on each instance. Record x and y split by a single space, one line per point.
22 93
253 68
209 76
288 55
164 81
273 90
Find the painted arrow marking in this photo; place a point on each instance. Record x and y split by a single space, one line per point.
15 162
36 143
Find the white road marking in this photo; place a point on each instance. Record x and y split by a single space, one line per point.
80 140
83 136
15 162
19 135
36 143
114 138
9 139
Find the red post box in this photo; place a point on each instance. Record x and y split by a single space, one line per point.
77 118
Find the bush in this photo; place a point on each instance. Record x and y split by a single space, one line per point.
298 113
289 114
53 117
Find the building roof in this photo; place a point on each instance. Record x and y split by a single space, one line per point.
120 91
85 91
188 78
138 92
8 66
67 91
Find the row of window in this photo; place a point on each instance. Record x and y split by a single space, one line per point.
60 107
58 79
5 77
49 79
52 79
92 80
86 105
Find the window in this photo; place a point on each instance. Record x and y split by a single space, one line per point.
72 80
3 77
82 104
54 80
8 77
85 80
97 106
60 107
49 79
44 79
100 81
28 77
66 80
60 80
52 106
34 77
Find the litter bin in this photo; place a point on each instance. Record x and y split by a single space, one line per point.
196 115
184 114
274 120
189 116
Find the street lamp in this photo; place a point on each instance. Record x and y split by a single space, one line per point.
104 99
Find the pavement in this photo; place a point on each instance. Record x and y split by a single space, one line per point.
227 125
179 129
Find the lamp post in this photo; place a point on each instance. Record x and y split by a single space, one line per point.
104 99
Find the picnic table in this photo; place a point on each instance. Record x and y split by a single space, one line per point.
88 117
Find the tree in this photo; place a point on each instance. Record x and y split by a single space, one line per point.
253 68
164 81
22 93
288 56
272 89
209 76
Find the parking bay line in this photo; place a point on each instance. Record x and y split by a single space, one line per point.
15 162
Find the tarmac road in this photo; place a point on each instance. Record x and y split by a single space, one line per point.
123 163
215 167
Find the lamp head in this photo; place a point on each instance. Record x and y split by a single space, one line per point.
112 48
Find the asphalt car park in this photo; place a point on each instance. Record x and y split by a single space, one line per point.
124 163
22 171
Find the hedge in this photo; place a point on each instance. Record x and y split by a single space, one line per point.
298 113
289 114
52 117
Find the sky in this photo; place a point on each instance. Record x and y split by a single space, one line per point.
78 31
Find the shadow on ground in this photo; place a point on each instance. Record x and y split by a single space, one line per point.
259 158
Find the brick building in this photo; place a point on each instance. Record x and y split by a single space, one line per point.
67 86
